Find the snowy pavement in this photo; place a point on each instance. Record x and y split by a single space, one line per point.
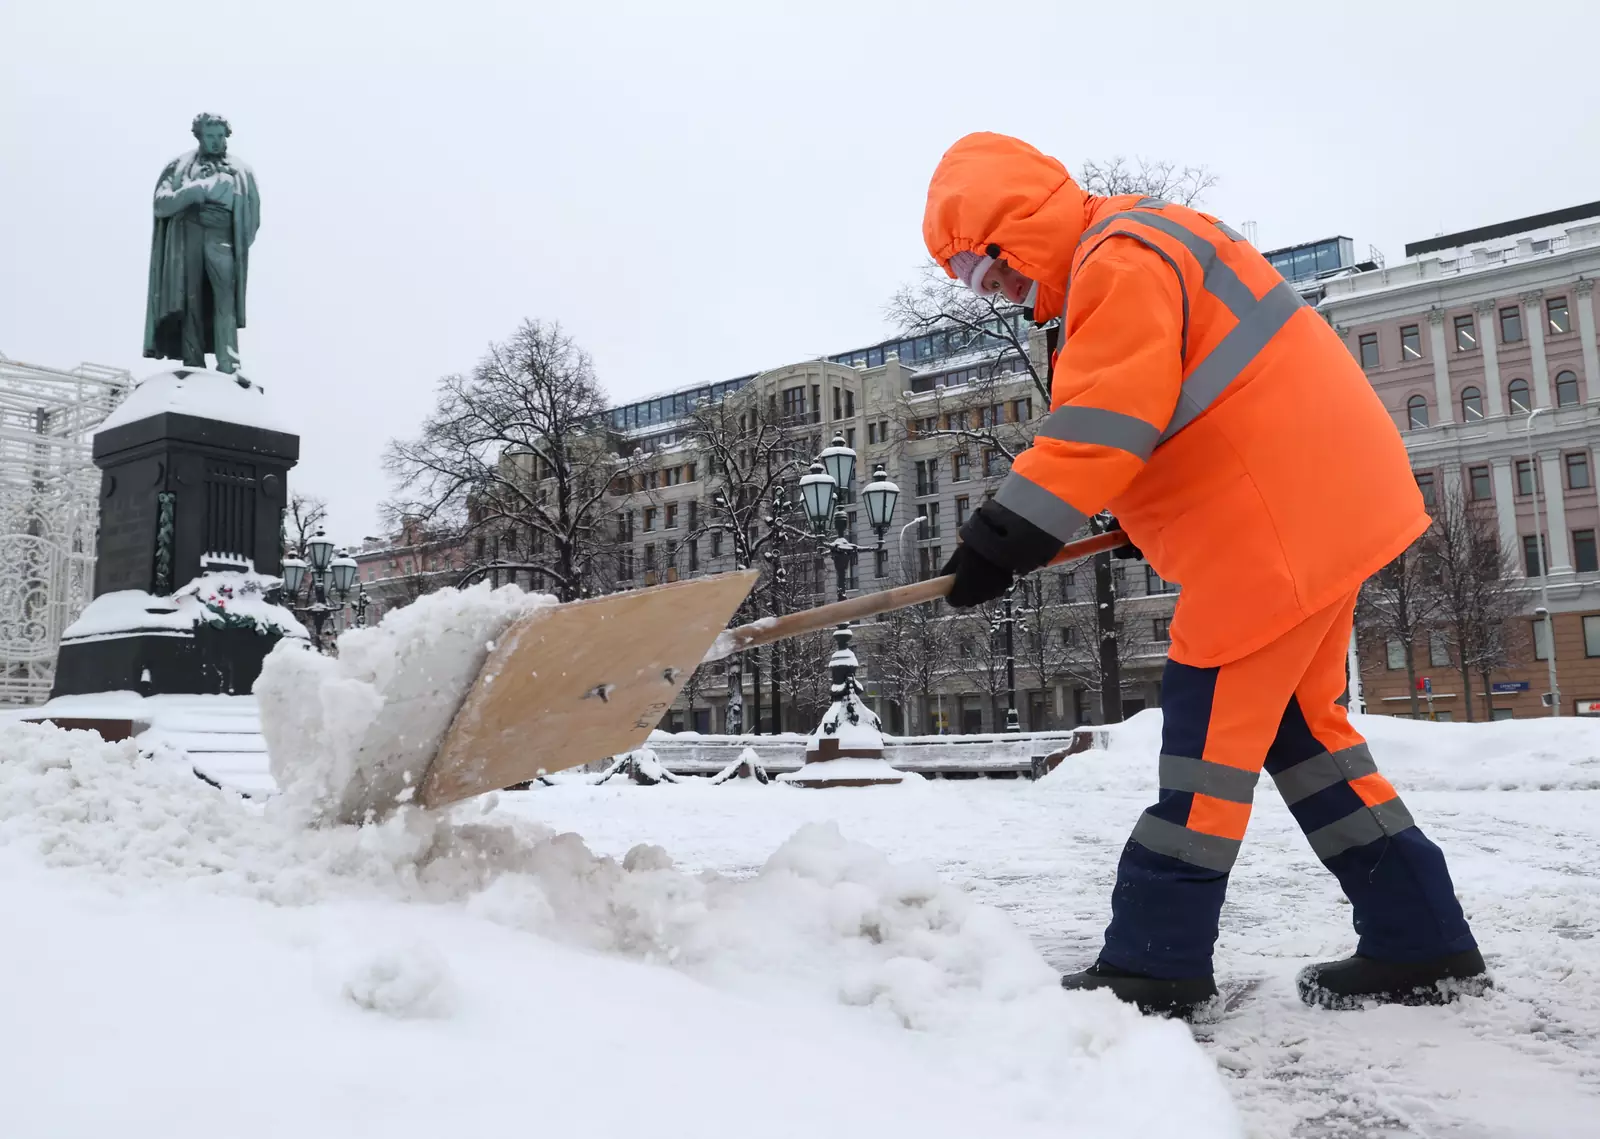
1516 807
758 961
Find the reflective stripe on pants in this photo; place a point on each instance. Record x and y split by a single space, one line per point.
1275 709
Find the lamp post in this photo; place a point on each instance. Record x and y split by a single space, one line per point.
1544 568
1010 621
316 572
833 472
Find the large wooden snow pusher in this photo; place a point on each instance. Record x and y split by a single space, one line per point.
577 682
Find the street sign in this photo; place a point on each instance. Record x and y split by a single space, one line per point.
1505 687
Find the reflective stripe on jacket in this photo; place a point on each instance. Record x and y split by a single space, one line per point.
1222 421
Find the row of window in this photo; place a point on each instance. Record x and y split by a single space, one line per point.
1070 589
669 407
1480 483
1557 315
656 479
937 345
1160 632
1583 553
1005 366
975 418
1519 400
1439 645
1302 262
993 464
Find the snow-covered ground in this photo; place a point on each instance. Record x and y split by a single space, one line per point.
757 960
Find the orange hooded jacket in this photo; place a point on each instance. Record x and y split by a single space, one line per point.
1222 421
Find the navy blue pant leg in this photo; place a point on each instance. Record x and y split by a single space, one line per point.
1403 901
1164 911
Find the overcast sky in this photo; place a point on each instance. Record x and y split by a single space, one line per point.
697 191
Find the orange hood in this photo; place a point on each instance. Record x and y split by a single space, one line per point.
995 190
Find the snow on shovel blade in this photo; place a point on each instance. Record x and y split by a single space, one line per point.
579 682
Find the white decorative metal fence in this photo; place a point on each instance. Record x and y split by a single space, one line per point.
49 512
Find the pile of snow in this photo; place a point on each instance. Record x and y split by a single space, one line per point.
210 599
826 923
747 765
351 735
1543 754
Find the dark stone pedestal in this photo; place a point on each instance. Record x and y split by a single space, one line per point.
221 662
181 494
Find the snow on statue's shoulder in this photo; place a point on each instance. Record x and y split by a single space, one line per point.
201 393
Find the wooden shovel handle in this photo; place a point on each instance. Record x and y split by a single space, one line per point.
770 629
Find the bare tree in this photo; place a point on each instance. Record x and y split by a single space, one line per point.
1476 585
910 651
751 461
990 325
1400 604
520 446
1155 178
978 636
306 512
1042 651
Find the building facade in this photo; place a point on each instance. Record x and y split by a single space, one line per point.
1483 347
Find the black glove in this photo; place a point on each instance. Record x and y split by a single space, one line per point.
996 545
1104 524
977 578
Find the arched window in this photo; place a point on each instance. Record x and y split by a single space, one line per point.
1471 405
1417 411
1566 389
1517 396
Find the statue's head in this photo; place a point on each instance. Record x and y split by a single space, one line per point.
212 132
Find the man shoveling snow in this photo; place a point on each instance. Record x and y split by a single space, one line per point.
1243 452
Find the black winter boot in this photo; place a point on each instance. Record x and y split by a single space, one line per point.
1155 995
1350 983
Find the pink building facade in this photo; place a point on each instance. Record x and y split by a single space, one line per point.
1483 347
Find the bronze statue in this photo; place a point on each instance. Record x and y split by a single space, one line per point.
207 211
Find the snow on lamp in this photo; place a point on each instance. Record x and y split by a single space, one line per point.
817 491
880 495
840 462
320 550
294 574
343 569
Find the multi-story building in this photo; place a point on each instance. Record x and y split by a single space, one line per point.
395 571
1482 345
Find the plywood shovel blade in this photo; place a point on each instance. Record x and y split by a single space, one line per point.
579 682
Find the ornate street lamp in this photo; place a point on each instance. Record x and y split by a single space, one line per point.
319 550
818 491
880 496
343 569
294 573
315 573
833 471
840 463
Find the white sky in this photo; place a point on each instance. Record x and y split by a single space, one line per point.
702 190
